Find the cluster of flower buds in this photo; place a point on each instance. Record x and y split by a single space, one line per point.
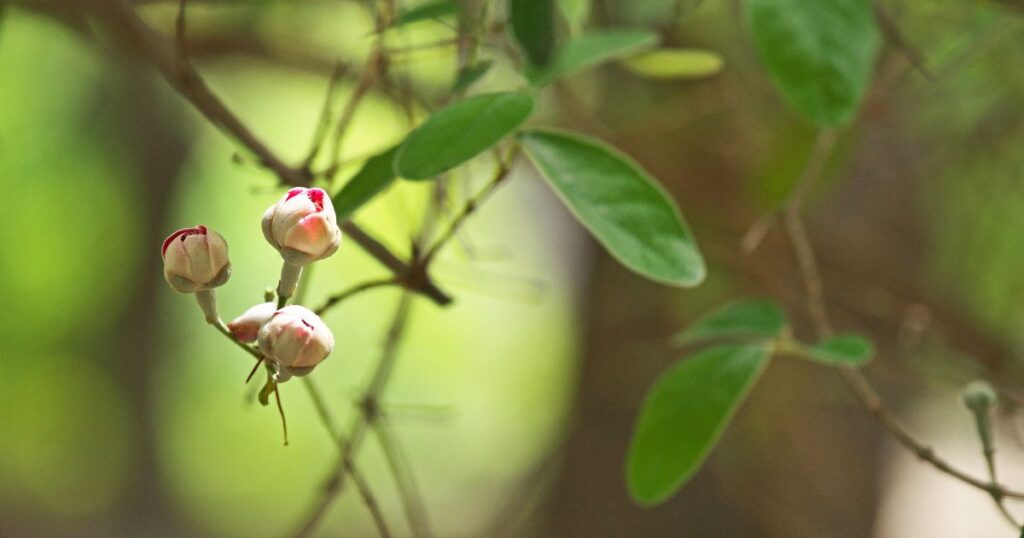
294 337
302 226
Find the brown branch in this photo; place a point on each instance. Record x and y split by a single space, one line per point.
125 24
816 307
354 290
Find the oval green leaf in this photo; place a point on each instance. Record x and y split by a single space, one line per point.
675 63
842 349
622 206
753 318
819 53
375 176
684 415
469 74
459 132
589 50
533 25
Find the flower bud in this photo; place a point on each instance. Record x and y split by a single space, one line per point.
978 396
302 226
195 259
296 338
247 327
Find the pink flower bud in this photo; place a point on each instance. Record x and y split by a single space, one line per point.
302 226
195 259
247 326
296 338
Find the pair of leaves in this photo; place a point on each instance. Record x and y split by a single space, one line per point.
447 139
622 206
690 405
762 321
819 53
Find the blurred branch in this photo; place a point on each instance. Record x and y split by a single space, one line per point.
369 412
361 485
412 500
816 307
503 167
129 30
894 35
325 116
354 290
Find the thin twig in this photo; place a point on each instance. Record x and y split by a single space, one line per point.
354 290
862 388
503 167
367 79
357 478
179 32
823 145
412 500
322 126
124 23
369 410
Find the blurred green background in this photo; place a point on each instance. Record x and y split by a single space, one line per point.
124 414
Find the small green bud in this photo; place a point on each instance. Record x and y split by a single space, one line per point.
979 396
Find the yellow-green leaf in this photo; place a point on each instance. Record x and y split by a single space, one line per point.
675 63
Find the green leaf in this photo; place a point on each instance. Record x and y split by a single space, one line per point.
469 74
533 25
753 318
576 13
820 53
459 132
589 50
843 349
430 10
684 416
622 206
375 176
675 63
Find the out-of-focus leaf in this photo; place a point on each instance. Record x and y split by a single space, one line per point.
375 176
753 318
625 209
589 50
469 74
675 63
843 349
819 53
576 13
533 25
459 132
684 415
430 10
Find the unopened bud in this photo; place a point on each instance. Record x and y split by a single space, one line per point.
296 338
302 226
247 327
978 396
195 259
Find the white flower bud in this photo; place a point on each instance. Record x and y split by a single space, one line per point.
247 326
302 226
195 259
296 338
